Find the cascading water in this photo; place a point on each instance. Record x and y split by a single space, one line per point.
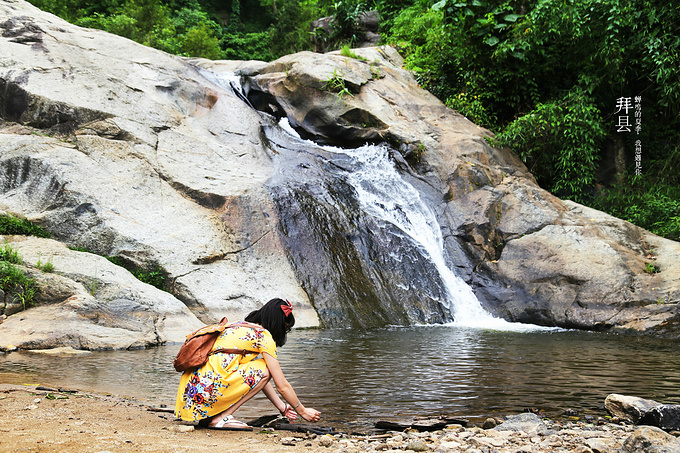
384 194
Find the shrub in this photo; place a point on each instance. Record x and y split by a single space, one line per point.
10 224
152 273
13 281
560 142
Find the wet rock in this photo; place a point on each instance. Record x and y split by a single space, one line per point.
629 408
648 439
489 423
664 416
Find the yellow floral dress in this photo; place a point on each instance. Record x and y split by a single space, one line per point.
225 378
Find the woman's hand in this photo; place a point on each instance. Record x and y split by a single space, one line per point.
289 413
311 415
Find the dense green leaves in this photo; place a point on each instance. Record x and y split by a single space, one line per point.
10 224
562 137
245 29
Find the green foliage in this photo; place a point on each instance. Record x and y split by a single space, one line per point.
199 42
247 46
560 142
651 268
346 51
13 281
336 83
48 267
507 65
9 254
152 273
346 20
45 267
654 206
10 224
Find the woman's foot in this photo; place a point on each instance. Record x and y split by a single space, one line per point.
229 423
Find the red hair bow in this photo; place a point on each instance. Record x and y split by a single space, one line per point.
287 309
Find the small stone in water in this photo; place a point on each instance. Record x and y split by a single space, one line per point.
489 423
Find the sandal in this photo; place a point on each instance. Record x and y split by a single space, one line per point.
229 423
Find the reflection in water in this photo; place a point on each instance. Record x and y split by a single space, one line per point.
358 377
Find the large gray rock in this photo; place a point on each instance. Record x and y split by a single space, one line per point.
648 439
629 408
89 303
124 150
643 411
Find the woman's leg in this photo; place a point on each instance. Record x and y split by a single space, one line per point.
253 391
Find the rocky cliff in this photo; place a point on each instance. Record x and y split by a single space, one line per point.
122 150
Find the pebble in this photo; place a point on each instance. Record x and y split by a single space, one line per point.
417 445
180 428
326 441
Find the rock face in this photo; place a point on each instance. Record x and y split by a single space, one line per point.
126 151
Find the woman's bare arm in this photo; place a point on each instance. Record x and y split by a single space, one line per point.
286 390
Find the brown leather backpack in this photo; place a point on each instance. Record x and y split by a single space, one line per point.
198 346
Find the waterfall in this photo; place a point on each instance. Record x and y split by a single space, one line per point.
385 194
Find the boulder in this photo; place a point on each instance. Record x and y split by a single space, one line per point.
88 303
648 439
125 151
643 411
629 408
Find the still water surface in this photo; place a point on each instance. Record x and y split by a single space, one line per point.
358 377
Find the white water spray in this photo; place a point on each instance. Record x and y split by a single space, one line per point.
383 193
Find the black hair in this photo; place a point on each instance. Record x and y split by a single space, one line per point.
272 318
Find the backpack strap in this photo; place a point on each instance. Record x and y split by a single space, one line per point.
234 351
246 324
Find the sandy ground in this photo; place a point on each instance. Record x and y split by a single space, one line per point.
35 420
